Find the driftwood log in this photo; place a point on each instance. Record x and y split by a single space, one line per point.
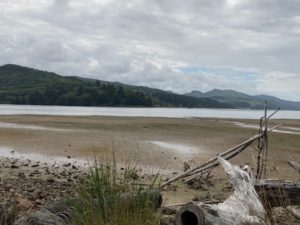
230 153
275 193
242 207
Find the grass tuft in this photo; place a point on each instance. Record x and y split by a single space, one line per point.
109 198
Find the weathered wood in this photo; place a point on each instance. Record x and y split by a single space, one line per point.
191 214
215 164
242 207
294 212
263 145
231 152
272 114
213 160
274 193
295 165
184 203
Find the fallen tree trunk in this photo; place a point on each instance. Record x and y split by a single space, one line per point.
242 207
275 193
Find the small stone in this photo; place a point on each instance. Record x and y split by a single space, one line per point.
36 194
38 202
21 175
14 166
50 179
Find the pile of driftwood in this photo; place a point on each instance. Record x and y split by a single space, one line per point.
242 207
252 198
262 148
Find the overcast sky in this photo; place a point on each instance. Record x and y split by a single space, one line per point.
251 46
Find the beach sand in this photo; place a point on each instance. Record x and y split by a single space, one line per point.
153 144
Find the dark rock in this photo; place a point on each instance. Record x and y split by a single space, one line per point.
50 179
14 166
43 217
74 167
38 202
21 175
30 189
36 194
61 207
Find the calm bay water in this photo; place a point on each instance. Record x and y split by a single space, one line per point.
141 112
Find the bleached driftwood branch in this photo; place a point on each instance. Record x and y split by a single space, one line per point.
242 207
230 153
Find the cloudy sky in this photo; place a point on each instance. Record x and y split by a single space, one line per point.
179 45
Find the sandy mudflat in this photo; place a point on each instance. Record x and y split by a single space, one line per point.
32 148
156 143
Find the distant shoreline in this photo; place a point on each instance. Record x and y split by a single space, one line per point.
163 112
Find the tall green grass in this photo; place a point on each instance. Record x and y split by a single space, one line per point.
107 197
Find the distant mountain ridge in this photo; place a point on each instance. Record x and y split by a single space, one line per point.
23 85
241 100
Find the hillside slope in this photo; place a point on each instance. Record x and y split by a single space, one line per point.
22 85
241 100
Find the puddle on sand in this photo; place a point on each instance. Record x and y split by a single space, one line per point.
183 149
29 127
283 130
37 157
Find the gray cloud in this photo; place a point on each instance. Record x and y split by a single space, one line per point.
155 43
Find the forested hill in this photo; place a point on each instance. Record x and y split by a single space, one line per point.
22 85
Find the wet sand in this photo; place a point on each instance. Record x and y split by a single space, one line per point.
154 144
158 143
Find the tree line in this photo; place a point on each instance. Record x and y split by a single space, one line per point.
77 95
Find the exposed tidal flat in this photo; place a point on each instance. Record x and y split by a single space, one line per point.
61 147
160 143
